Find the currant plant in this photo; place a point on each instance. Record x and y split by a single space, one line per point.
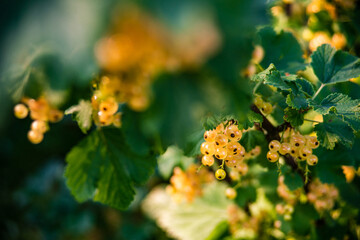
230 127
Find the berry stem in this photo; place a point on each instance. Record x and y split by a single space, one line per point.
309 120
273 134
318 91
257 86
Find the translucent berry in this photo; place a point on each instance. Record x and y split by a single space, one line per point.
305 152
221 140
230 193
220 128
117 120
233 133
39 126
210 135
285 148
220 153
255 151
207 148
312 160
231 163
55 115
272 156
274 145
234 175
267 108
220 174
233 148
207 160
105 119
312 142
109 106
297 140
258 101
294 151
242 168
258 54
21 111
35 137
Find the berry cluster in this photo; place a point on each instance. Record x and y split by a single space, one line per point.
265 107
298 146
105 103
41 112
242 221
284 192
186 186
284 209
223 143
322 195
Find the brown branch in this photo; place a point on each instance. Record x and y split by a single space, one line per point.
272 133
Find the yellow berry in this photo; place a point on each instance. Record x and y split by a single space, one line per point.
234 175
272 156
109 106
220 128
312 142
220 153
305 152
258 101
312 160
209 136
231 163
21 111
242 168
220 174
207 148
55 115
297 140
274 145
338 40
105 119
207 160
35 137
233 148
233 133
258 54
230 193
294 151
39 126
221 140
285 148
255 151
267 108
117 120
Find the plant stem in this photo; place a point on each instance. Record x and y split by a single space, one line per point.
309 120
257 86
318 91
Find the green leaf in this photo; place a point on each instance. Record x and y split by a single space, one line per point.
103 168
271 76
171 158
297 101
293 181
251 139
194 221
282 49
334 130
83 170
333 66
305 86
82 113
341 105
252 117
293 116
